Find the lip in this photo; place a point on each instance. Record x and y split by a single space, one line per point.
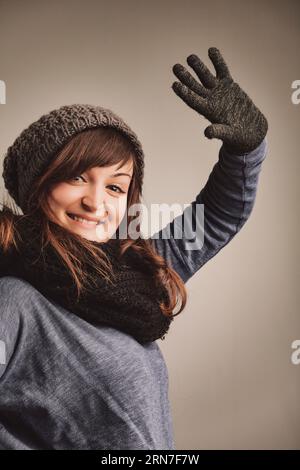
91 219
86 224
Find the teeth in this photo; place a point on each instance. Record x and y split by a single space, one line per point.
89 222
80 219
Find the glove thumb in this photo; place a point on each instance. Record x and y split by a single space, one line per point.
219 131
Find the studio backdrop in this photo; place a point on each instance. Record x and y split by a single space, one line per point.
233 354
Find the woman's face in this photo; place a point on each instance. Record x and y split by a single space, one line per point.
100 194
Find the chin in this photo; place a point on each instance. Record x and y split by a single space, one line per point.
93 236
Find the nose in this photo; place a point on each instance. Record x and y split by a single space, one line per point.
94 203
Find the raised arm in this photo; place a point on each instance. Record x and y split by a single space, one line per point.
229 193
228 197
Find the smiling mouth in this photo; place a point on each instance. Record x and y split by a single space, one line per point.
83 222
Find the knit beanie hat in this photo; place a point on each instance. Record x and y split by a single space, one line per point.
30 154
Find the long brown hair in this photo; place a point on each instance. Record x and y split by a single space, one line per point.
93 147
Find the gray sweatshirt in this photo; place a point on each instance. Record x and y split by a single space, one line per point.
67 384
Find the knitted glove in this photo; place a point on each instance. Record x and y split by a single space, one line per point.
235 118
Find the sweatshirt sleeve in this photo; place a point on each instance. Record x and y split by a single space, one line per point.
216 215
10 325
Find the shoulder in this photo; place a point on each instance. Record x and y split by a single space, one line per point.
9 320
13 289
14 294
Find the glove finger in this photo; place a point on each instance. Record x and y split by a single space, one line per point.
219 131
187 79
191 99
205 75
219 63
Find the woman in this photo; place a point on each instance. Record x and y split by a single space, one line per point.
82 305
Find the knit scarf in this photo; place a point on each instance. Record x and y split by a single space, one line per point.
130 305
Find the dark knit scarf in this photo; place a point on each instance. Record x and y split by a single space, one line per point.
131 304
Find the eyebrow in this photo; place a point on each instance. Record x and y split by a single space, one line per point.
120 174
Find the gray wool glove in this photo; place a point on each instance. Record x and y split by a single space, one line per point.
235 118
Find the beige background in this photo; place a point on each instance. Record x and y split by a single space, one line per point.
232 383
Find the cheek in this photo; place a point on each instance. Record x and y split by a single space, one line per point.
119 208
61 196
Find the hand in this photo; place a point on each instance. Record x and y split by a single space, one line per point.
235 118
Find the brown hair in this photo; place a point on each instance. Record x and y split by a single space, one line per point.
93 147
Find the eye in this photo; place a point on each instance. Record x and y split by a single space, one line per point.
118 188
77 177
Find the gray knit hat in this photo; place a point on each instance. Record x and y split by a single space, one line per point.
30 154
